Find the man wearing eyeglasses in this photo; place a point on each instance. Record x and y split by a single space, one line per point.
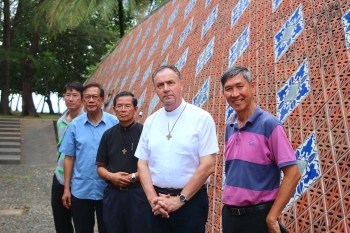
73 98
83 188
124 199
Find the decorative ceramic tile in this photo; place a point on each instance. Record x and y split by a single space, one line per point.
307 153
128 44
346 24
114 67
131 58
116 82
288 33
239 46
173 2
153 104
165 61
205 56
202 95
275 4
146 33
182 61
185 33
147 74
293 92
141 99
137 37
189 8
109 105
173 16
167 41
154 46
122 63
133 79
207 3
229 112
141 54
124 81
210 21
160 22
241 6
121 47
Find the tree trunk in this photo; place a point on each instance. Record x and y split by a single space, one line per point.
28 69
49 103
121 18
5 64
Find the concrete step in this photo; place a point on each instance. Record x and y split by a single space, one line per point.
10 134
17 129
10 144
10 120
10 139
9 125
10 159
10 151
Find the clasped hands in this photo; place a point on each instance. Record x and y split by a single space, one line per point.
164 204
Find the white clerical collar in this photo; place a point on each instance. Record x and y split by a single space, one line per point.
176 111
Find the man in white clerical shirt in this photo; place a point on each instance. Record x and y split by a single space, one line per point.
176 154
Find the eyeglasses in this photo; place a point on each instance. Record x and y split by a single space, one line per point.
88 97
68 96
121 107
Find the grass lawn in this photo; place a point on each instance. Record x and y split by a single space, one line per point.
16 114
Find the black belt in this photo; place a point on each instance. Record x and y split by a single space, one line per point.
137 184
171 191
236 210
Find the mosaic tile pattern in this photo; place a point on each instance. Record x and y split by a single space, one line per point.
137 37
147 74
153 104
134 77
160 22
238 10
275 4
185 33
207 2
122 63
346 24
167 41
229 112
202 95
288 33
141 54
165 61
123 82
239 46
146 33
116 82
210 21
173 16
141 99
128 44
189 7
131 58
205 56
182 61
153 47
293 92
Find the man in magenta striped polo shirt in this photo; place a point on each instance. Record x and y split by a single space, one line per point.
256 149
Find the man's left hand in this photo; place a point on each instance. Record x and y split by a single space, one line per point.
170 203
273 227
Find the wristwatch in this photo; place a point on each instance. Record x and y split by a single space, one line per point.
183 198
133 177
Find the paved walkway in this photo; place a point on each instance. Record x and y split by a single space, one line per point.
27 187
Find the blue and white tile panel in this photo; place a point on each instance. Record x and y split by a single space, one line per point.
173 16
189 7
141 99
182 61
165 61
131 58
210 21
122 63
146 33
293 92
109 105
141 54
124 81
173 2
346 23
239 46
185 33
238 10
307 153
133 79
153 104
288 33
160 22
275 4
167 41
137 37
205 56
154 46
207 2
203 94
128 44
147 73
229 112
116 82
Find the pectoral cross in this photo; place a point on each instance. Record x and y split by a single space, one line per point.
124 151
169 136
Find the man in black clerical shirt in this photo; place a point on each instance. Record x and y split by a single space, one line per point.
124 201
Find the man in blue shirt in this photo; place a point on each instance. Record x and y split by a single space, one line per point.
83 188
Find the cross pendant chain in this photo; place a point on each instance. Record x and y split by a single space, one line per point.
169 136
124 151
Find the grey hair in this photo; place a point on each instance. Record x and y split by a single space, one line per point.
171 67
233 71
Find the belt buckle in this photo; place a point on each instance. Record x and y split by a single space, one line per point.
122 188
238 211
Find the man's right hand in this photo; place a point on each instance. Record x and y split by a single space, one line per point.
120 179
66 199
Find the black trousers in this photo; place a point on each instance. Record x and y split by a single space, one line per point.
62 216
247 223
190 218
83 211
